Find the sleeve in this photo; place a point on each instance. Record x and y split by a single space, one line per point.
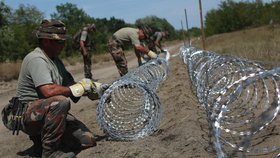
134 38
159 37
83 36
39 72
67 77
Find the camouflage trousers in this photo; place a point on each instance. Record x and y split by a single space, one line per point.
116 50
58 129
87 64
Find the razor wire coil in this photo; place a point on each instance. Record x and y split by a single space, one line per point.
130 108
241 99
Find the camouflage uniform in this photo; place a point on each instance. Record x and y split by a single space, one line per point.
85 37
122 38
46 120
50 118
157 36
116 50
155 41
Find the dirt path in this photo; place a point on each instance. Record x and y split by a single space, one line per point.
182 132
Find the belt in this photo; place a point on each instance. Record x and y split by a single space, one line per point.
18 109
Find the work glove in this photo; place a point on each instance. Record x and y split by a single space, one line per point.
143 60
83 86
98 90
152 54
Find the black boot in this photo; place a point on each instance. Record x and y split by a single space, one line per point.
35 150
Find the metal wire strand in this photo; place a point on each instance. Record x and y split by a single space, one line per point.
130 109
241 99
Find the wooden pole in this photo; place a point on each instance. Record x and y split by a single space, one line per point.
183 32
201 23
189 39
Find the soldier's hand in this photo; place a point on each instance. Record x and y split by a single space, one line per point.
152 54
98 90
83 86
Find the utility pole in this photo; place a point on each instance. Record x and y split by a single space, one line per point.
189 40
183 32
201 23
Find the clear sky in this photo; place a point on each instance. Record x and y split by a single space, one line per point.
131 10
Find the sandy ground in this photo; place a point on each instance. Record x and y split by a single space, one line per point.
183 131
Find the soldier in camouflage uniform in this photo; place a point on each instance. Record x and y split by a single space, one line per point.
156 39
41 106
125 37
87 48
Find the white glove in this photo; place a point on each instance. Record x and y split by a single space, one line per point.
83 86
98 90
143 60
152 54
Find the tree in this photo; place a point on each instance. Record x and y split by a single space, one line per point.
6 34
16 36
72 16
157 23
232 16
26 15
5 13
24 21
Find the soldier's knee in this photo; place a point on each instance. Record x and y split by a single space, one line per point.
60 103
57 98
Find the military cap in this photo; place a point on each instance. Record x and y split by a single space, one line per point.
51 29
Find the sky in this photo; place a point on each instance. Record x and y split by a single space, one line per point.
131 10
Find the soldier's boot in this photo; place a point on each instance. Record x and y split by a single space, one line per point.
58 154
35 150
37 144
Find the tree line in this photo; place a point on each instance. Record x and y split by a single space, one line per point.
16 26
231 16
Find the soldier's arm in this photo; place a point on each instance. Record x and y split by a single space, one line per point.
82 42
157 42
49 90
142 49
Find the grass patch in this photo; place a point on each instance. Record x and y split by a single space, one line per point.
9 71
258 44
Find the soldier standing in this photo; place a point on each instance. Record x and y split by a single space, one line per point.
86 46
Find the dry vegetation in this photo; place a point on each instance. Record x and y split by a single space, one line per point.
260 44
9 71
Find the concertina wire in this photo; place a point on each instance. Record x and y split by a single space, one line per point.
130 108
241 100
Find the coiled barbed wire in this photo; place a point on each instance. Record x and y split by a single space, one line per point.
130 108
241 100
